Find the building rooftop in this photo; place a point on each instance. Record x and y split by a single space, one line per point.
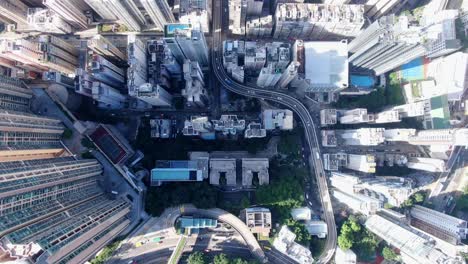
176 170
276 118
326 63
112 144
301 213
190 222
171 29
258 220
284 243
317 228
417 247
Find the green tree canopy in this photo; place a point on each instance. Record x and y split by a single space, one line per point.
389 254
239 261
354 236
345 242
196 258
221 259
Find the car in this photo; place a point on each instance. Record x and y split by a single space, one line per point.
207 250
132 262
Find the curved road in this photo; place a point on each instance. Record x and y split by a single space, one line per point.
233 221
298 108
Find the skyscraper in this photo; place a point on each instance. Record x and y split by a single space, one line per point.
186 42
125 12
53 211
392 41
154 95
237 16
71 11
14 95
317 21
196 13
194 92
454 137
159 11
27 136
443 226
13 11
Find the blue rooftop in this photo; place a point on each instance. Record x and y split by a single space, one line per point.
175 174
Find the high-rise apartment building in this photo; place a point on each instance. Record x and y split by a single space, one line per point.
59 55
358 202
126 12
374 8
443 226
426 164
362 163
186 42
385 44
137 72
14 95
195 13
47 21
71 11
233 52
26 136
259 26
54 212
237 16
317 21
159 11
453 137
353 137
153 95
40 54
415 247
13 11
255 56
391 42
288 74
194 92
106 48
108 97
391 190
25 53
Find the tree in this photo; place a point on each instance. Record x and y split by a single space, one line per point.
196 258
344 242
419 197
302 235
221 259
353 236
389 254
239 261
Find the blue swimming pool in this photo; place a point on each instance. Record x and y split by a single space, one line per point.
362 81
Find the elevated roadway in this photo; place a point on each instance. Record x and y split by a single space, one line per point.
296 106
